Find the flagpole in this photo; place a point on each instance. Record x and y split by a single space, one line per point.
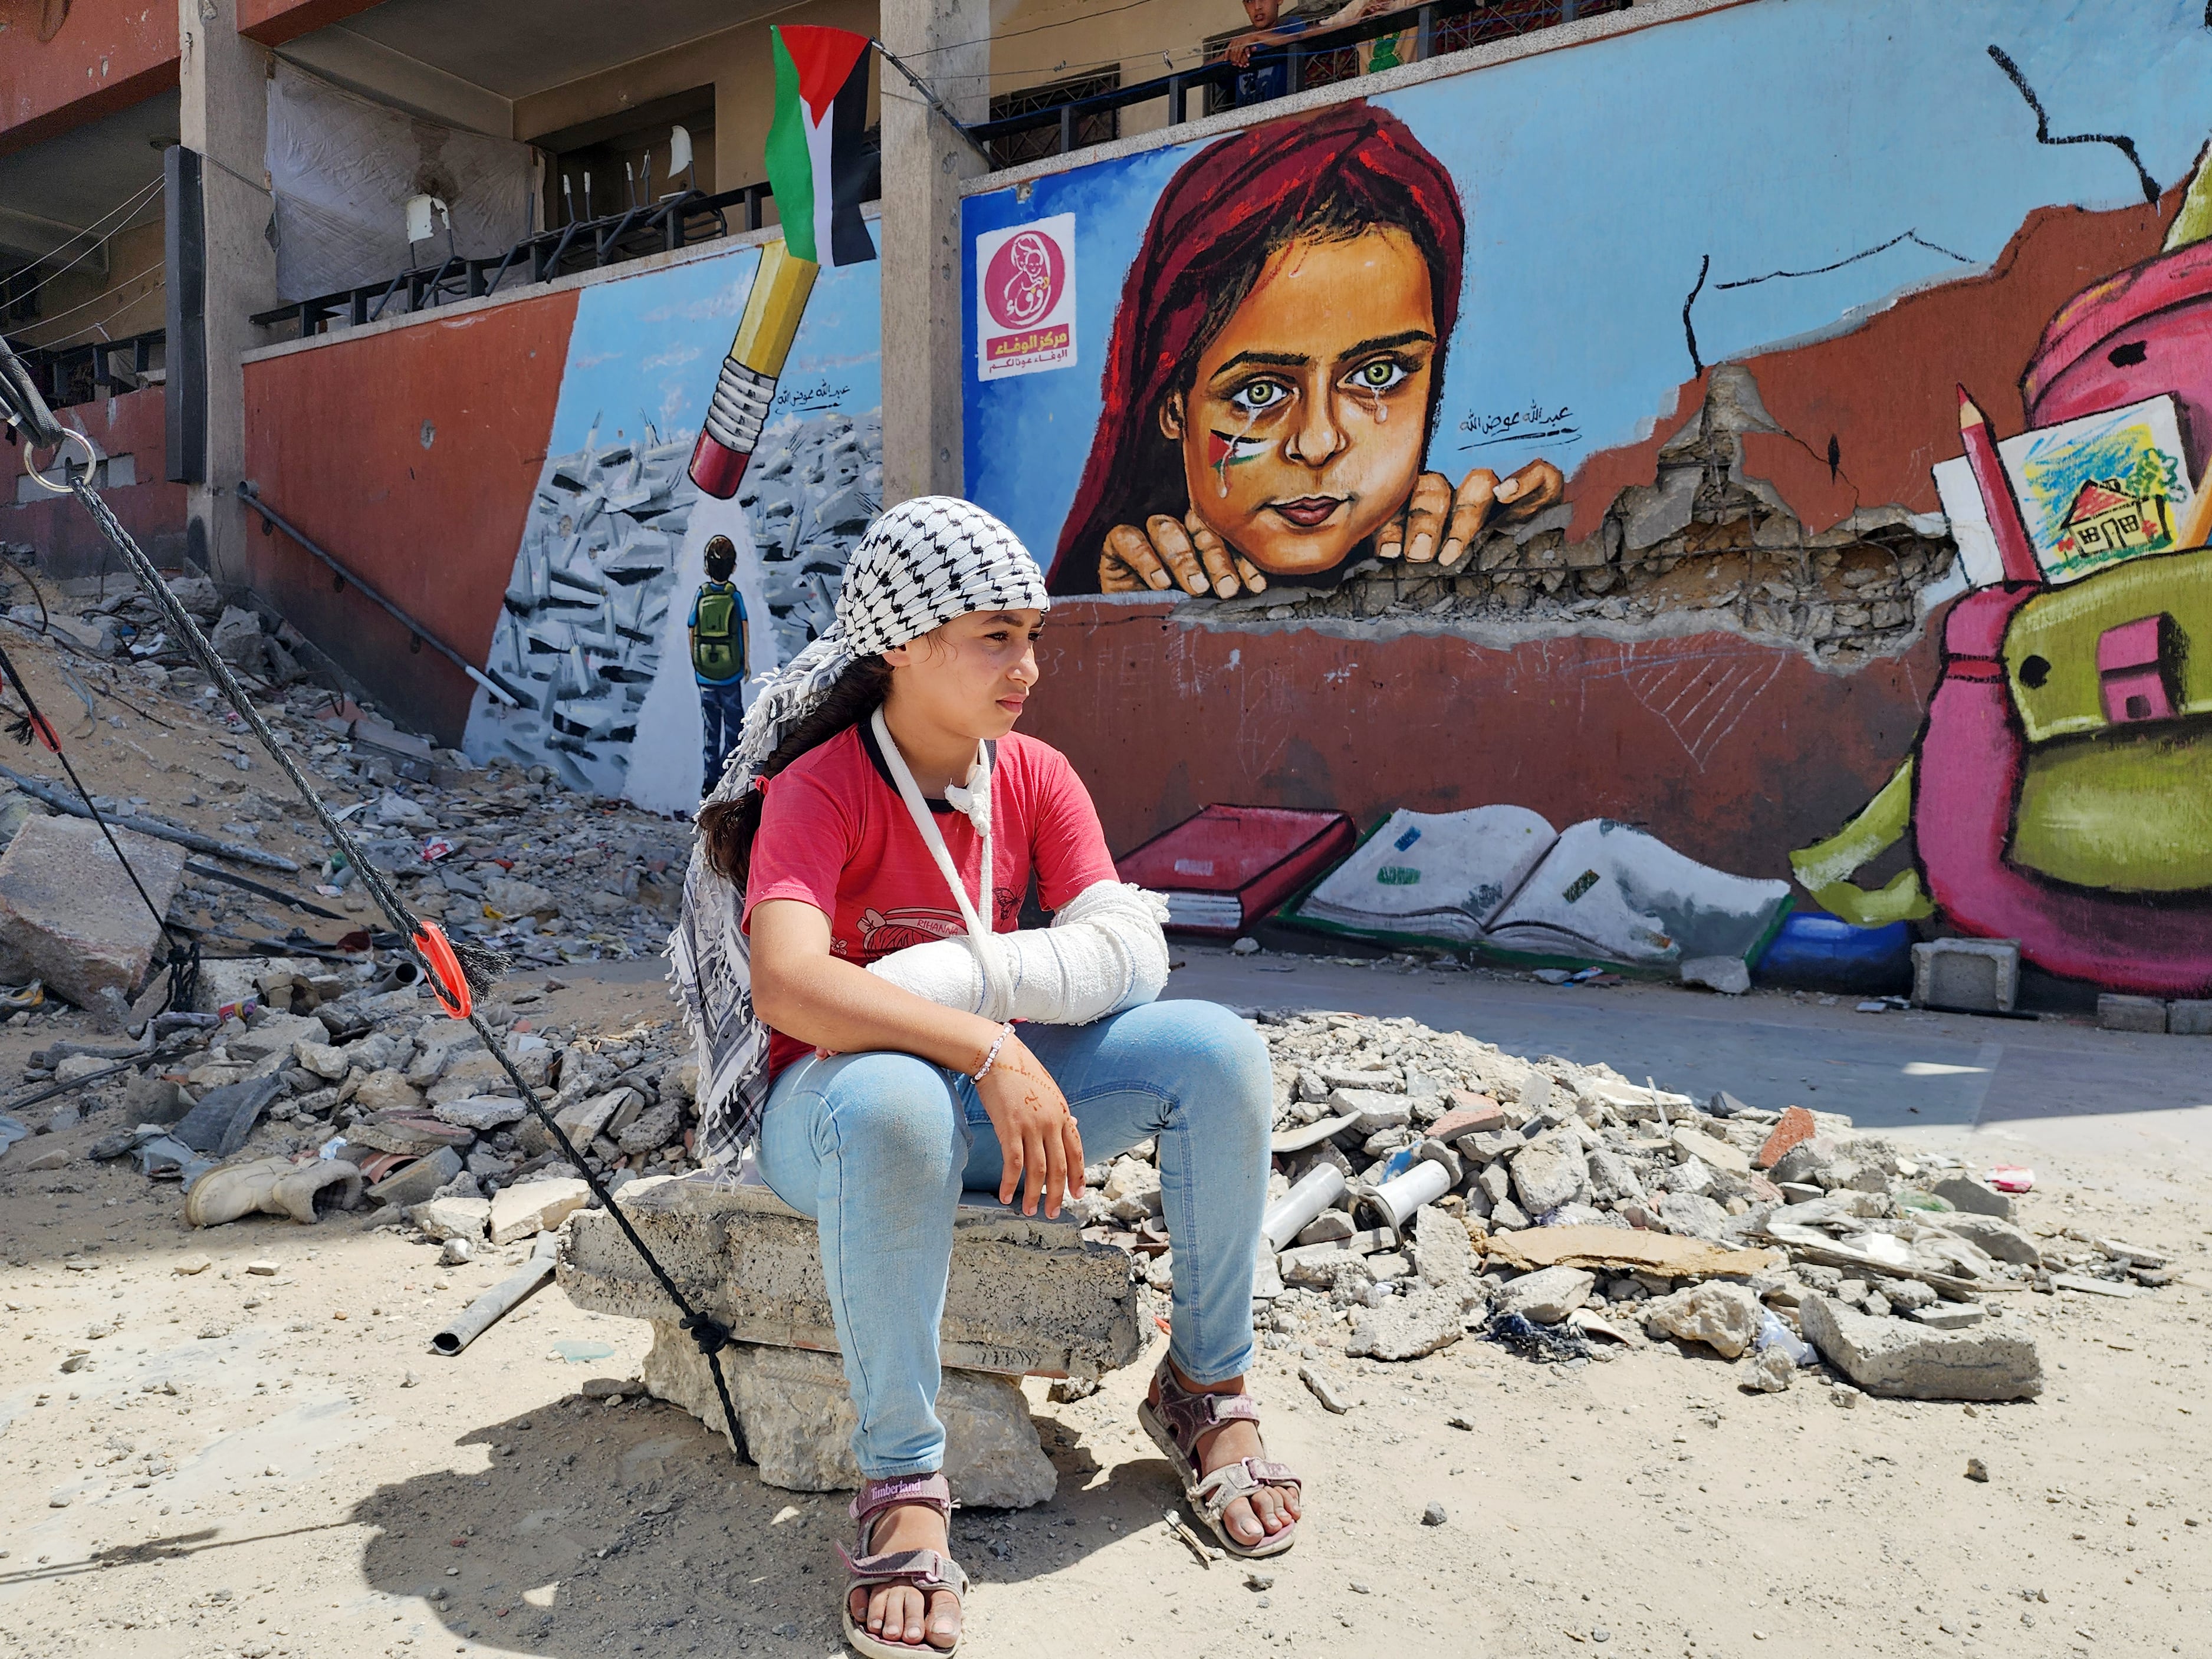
934 102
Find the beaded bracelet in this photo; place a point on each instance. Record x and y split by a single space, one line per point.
991 1056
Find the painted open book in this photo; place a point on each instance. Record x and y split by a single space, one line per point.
1502 879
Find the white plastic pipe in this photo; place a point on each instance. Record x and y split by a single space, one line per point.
1320 1187
1396 1200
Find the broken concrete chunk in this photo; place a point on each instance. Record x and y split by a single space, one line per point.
1725 974
325 1060
386 1090
1724 1317
1996 1237
1325 1388
1371 1109
796 1415
69 913
1963 1192
1768 1371
272 1034
1550 1172
1408 1326
2116 1013
1024 1295
535 1206
1712 1150
415 1182
1445 1256
451 1218
1692 1215
411 1134
1620 1250
1902 1359
579 1120
1546 1296
481 1113
651 1128
1950 1315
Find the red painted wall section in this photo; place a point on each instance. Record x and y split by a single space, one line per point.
410 457
272 22
106 56
152 510
1703 740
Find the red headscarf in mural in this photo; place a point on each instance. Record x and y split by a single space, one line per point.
1232 206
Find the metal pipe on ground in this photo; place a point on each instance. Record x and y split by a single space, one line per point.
489 1309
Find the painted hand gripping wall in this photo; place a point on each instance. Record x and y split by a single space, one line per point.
591 632
1848 345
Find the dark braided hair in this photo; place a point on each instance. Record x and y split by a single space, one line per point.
728 826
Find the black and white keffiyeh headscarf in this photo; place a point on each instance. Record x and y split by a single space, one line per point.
920 565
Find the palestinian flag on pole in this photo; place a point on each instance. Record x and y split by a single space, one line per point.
815 163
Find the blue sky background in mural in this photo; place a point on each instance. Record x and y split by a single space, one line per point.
646 349
1773 138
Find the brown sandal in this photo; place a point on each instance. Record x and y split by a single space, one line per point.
925 1570
1177 1423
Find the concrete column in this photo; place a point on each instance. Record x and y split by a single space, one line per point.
223 82
948 43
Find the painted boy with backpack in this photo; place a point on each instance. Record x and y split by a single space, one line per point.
720 650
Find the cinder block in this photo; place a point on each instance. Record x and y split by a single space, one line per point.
1027 1297
2130 1012
2189 1018
1979 975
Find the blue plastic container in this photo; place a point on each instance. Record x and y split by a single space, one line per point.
1815 951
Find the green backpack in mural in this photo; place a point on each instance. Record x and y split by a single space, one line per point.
714 638
2116 781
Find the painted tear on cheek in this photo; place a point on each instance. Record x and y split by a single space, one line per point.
1226 450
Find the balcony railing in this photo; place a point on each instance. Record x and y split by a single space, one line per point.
84 374
582 245
1314 60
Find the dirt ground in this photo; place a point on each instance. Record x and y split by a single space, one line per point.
274 1463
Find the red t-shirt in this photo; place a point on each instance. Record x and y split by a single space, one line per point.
835 834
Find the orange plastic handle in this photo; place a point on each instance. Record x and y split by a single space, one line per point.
444 970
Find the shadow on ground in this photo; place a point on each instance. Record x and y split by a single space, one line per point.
629 1528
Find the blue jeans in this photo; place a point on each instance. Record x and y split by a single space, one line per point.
877 1148
722 715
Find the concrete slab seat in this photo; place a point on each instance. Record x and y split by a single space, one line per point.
1026 1297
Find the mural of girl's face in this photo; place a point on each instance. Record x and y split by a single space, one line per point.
1304 429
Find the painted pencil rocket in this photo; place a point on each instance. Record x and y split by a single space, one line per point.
818 170
746 386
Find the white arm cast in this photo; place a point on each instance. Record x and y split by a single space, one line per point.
1104 952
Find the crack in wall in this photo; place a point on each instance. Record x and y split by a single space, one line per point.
2119 141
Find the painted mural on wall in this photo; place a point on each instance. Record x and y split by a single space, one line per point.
2061 792
1679 369
593 629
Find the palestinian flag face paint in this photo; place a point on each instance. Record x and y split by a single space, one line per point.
815 163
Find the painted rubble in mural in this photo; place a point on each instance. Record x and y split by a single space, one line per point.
1365 369
592 629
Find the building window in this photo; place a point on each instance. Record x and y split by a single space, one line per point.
1091 126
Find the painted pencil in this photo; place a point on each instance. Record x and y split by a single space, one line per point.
2015 550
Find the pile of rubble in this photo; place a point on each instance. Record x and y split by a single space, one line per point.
1427 1185
506 854
300 1062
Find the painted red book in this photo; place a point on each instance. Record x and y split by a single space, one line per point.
1226 867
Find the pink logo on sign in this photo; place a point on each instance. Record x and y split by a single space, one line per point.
1026 279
